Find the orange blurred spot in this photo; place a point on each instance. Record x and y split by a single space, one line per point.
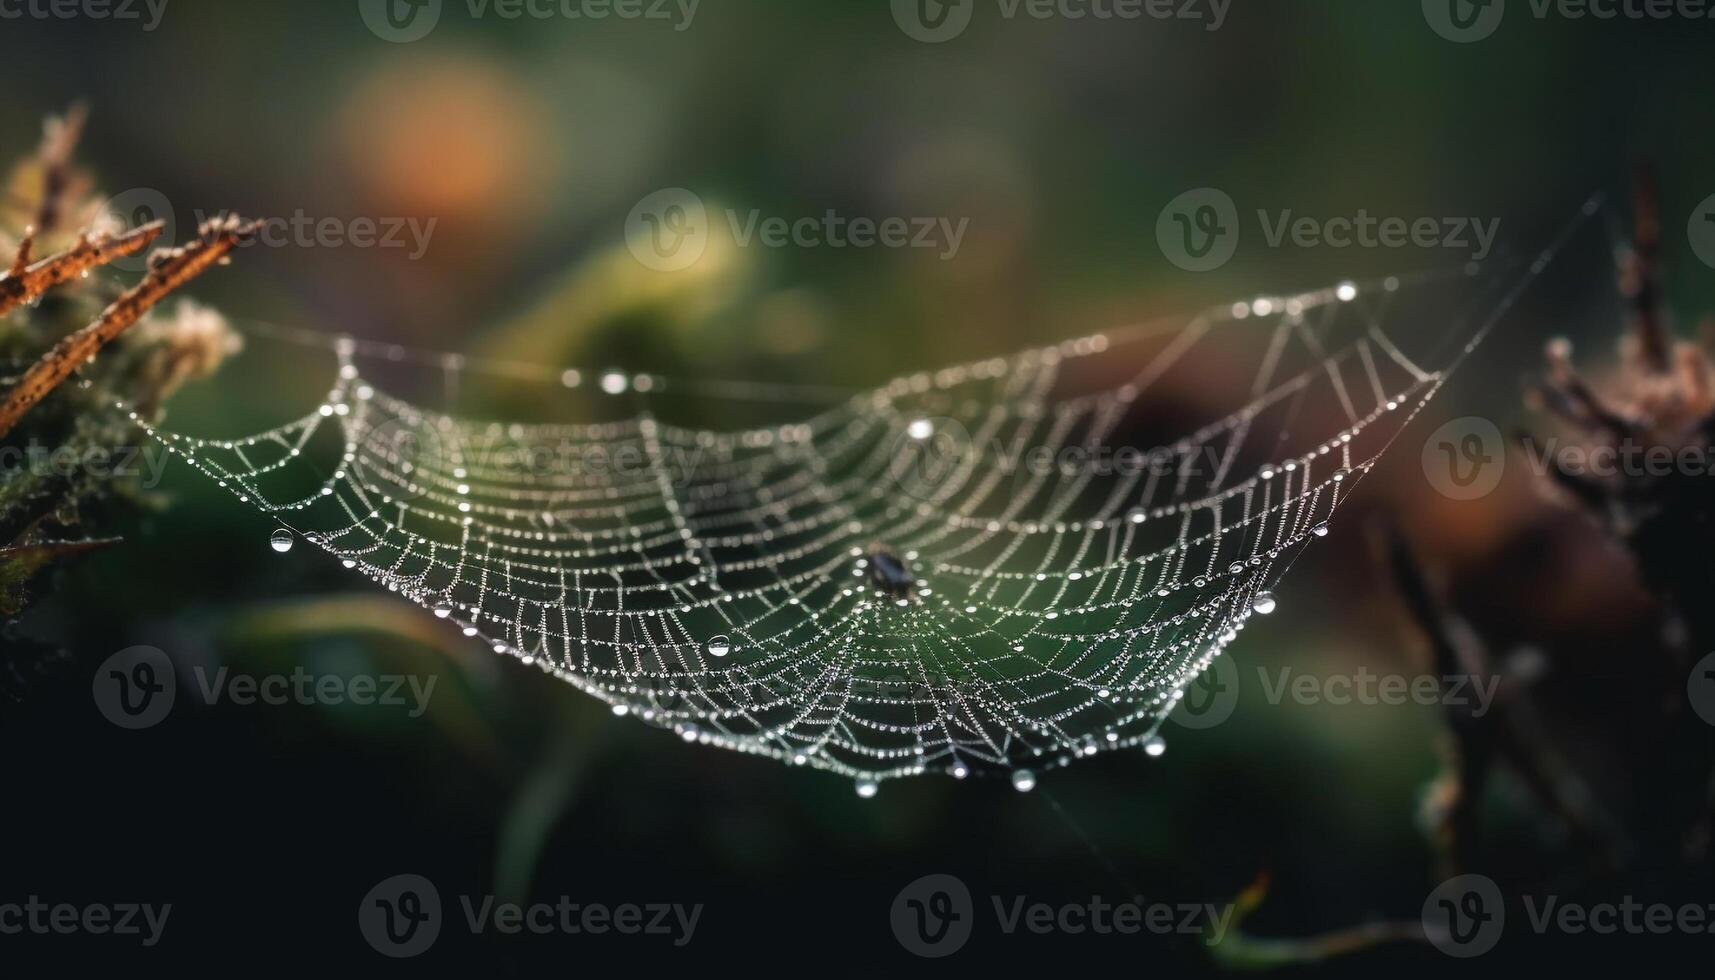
457 138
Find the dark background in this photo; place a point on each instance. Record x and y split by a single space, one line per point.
529 142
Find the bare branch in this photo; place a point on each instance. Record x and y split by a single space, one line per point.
59 141
1640 275
27 282
168 271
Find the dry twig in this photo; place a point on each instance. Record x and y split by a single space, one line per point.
168 271
26 282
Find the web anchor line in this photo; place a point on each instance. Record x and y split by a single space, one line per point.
999 567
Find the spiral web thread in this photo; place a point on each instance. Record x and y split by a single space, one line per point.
1059 595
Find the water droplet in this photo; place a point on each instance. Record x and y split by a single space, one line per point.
1340 475
1023 780
720 646
921 429
1267 472
867 788
1235 568
282 540
960 770
614 383
1264 603
443 610
1320 530
1155 746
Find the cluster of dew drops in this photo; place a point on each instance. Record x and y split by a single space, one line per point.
1023 780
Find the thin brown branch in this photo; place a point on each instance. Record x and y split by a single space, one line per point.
1506 735
21 261
1640 274
48 551
1467 751
1569 396
1239 950
168 272
1242 951
59 142
27 282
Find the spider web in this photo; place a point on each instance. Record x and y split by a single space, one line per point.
998 567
